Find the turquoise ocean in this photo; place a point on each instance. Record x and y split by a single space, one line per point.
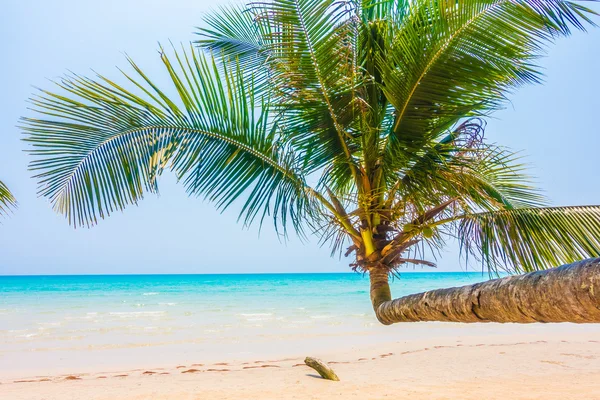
93 321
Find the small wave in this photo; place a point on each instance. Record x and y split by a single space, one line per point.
137 314
321 316
150 294
29 335
257 315
167 304
48 324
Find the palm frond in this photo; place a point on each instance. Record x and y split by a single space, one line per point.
232 32
501 179
302 53
102 146
530 239
311 58
454 59
394 10
483 176
7 200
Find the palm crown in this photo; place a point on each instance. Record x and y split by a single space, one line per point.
359 120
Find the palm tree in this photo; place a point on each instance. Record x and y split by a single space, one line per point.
359 121
7 200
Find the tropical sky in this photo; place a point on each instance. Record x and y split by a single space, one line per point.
555 124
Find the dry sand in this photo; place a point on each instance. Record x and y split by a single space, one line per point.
549 362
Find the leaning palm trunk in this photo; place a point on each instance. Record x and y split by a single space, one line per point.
570 293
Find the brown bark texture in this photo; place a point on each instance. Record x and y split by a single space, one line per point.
570 293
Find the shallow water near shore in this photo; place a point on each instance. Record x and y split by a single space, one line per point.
51 324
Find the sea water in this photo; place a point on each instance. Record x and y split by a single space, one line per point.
50 323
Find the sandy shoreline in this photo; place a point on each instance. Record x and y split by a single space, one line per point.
514 362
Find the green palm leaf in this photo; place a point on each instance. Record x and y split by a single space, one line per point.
530 239
450 60
463 166
105 145
394 10
7 200
233 33
311 62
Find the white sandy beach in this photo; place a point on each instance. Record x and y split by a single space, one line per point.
480 361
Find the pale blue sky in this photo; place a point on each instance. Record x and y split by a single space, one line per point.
555 124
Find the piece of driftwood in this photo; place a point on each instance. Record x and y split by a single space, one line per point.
323 369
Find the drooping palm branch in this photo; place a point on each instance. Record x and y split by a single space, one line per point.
109 145
378 104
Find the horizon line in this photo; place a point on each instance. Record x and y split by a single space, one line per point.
229 273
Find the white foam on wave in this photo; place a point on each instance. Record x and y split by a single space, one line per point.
134 314
257 315
48 324
150 294
321 316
